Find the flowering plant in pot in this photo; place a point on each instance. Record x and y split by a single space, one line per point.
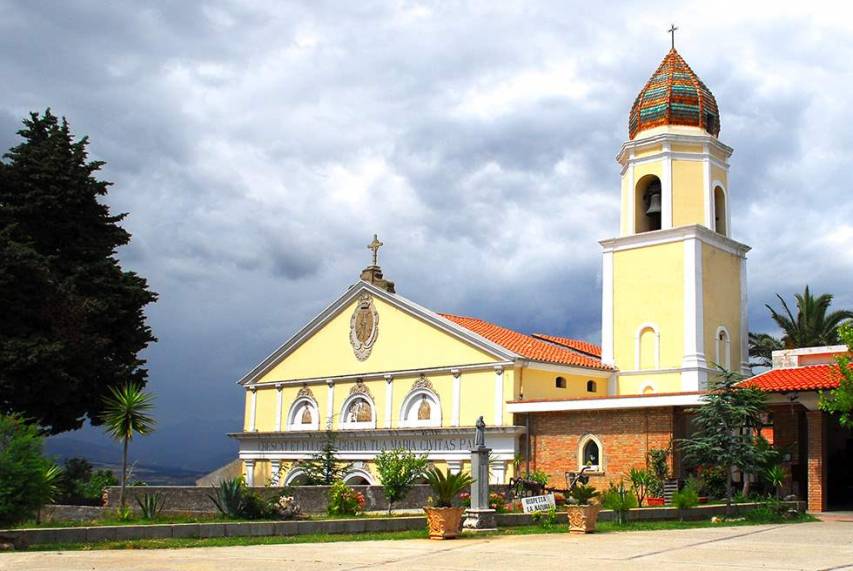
444 521
583 509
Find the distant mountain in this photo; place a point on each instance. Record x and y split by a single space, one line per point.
176 453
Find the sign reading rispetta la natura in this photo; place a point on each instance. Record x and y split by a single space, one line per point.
538 503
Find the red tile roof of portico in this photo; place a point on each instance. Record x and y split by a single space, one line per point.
525 345
810 378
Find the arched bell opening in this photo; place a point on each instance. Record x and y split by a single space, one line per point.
720 211
647 204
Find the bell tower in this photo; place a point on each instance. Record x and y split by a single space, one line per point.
673 282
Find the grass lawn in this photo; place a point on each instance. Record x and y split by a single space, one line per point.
604 527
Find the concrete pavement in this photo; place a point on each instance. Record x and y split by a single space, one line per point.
819 546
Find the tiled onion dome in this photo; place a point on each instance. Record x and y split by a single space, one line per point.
674 96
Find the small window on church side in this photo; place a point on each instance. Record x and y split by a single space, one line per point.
560 383
591 454
591 386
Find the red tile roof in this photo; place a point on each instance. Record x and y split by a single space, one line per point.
811 378
576 344
525 345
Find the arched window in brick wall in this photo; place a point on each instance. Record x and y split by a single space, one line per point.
591 453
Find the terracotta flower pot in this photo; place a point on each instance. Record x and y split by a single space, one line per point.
582 519
652 502
444 523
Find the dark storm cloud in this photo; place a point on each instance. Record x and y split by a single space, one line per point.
258 146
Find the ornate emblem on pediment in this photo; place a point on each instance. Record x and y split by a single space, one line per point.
305 392
422 383
359 388
364 327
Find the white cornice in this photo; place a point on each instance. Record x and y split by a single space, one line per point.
678 234
630 148
683 399
394 300
388 376
568 369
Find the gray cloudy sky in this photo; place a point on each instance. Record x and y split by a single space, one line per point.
258 146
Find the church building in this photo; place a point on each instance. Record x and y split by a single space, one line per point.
383 372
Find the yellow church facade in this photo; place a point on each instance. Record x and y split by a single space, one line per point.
383 372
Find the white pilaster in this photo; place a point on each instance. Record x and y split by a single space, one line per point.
253 408
275 472
607 309
455 466
497 472
457 397
249 466
330 403
278 407
693 375
389 400
744 320
666 188
499 395
707 191
631 225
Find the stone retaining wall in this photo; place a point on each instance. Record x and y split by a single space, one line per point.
312 499
23 537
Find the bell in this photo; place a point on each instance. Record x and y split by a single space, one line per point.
654 204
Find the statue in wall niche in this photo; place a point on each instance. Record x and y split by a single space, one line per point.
480 434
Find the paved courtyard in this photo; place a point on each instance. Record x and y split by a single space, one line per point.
824 545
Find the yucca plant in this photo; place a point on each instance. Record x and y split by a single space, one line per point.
151 504
447 486
775 476
127 412
229 497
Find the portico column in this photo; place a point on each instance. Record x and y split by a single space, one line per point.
330 403
499 395
455 466
275 467
278 390
457 397
816 423
253 407
498 471
389 400
249 466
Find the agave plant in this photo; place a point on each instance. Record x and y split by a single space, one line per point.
229 497
151 504
447 486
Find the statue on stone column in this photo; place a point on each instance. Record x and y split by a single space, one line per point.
480 435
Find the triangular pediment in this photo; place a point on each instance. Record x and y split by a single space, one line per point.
407 336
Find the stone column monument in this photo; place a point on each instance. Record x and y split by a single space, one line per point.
479 517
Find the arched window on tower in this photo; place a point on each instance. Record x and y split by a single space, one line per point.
720 214
647 348
647 204
723 350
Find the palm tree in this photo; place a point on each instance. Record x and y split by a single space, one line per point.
127 412
761 346
813 326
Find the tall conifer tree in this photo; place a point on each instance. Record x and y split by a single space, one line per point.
71 321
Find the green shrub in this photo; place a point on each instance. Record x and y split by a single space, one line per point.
539 477
582 494
343 500
28 480
641 480
150 504
397 470
620 500
546 519
657 462
228 497
713 481
686 498
774 476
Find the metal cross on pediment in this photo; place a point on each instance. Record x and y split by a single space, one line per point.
671 30
374 247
